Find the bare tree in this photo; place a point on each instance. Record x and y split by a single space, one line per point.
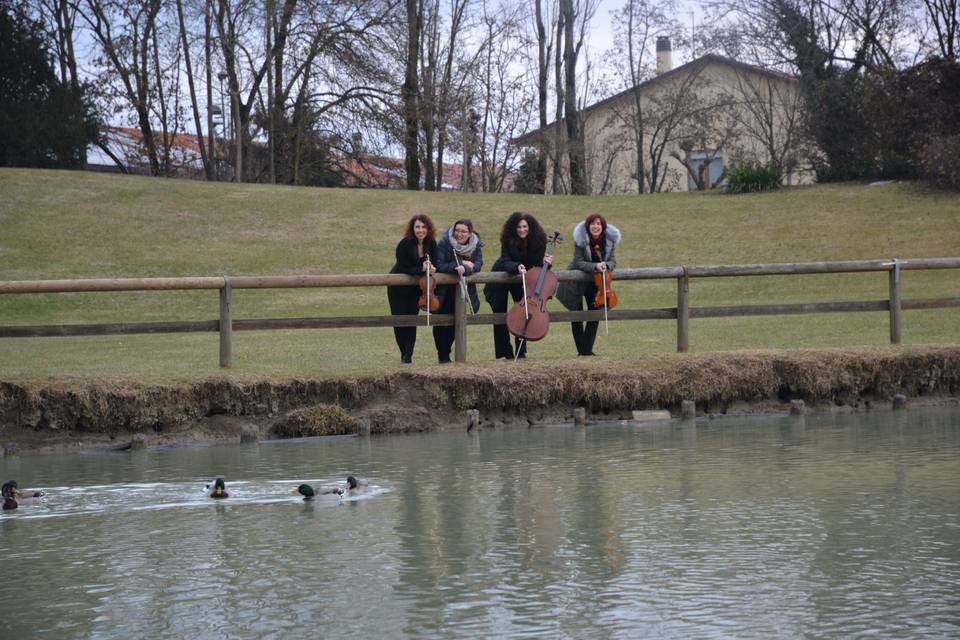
189 72
506 97
639 24
126 34
943 18
575 160
769 113
409 94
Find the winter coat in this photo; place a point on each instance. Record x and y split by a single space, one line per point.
447 263
408 258
512 255
571 293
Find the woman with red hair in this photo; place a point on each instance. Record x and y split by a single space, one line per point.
594 249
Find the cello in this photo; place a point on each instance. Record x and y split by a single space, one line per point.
529 318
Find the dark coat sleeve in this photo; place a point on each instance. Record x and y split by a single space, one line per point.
477 260
446 262
409 260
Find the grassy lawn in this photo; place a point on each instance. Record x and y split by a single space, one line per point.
80 225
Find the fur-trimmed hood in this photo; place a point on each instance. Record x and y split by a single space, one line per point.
580 234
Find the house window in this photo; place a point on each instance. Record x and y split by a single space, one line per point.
709 167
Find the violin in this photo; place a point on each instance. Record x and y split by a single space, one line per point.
428 291
529 318
606 297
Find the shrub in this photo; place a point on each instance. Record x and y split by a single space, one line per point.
318 420
750 178
941 162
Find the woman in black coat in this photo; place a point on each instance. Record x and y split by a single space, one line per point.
416 253
459 251
523 245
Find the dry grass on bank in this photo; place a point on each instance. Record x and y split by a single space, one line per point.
531 392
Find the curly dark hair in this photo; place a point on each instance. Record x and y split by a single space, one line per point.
536 238
425 219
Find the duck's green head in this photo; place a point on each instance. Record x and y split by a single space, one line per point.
219 487
306 491
9 489
351 482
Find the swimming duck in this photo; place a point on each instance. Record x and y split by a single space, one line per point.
309 493
219 489
356 487
13 496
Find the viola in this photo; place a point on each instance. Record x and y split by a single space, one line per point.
606 297
529 318
428 291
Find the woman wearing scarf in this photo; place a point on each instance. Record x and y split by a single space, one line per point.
460 251
594 249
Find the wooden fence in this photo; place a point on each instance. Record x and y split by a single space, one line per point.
682 313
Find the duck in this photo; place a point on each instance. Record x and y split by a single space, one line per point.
356 487
13 496
310 494
219 489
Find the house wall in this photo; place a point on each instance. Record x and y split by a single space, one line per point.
747 97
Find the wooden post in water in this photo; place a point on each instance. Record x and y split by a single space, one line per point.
683 312
895 306
226 324
459 326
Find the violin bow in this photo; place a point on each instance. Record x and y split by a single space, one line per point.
428 288
526 308
606 322
464 293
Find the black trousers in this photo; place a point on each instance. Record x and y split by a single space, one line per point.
403 302
585 333
497 297
443 335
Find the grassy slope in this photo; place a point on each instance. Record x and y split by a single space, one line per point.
75 224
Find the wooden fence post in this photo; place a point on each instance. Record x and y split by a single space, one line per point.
226 324
459 326
895 306
683 311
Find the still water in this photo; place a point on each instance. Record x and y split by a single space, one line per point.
823 527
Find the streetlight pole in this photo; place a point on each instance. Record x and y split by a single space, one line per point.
223 106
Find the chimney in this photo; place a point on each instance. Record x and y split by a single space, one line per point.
664 55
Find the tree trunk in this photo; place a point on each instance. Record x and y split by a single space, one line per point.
271 123
543 57
558 143
211 130
574 132
207 169
408 94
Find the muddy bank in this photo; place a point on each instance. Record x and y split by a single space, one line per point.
101 413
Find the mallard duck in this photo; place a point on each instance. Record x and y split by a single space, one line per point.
356 487
309 493
219 489
13 496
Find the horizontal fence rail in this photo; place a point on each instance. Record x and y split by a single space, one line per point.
682 313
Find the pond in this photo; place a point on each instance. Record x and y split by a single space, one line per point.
818 527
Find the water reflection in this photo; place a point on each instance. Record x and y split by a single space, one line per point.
817 526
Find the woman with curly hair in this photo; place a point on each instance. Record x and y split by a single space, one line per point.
523 245
416 252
